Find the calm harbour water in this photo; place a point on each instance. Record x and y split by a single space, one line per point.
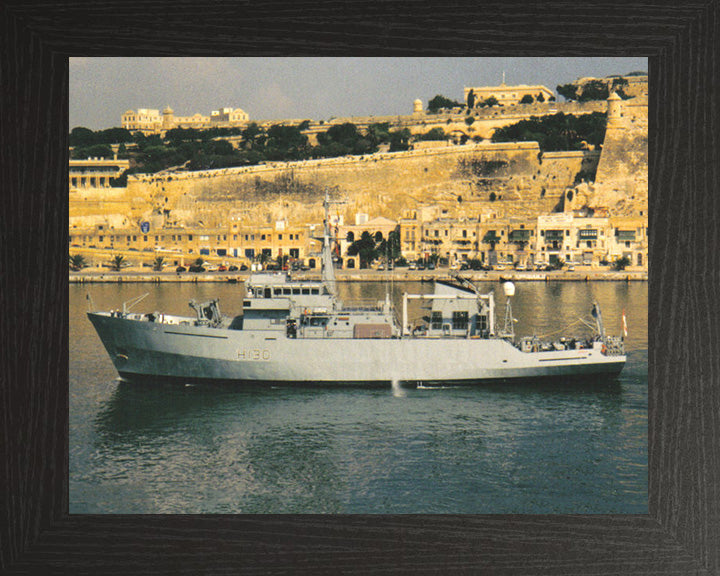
529 448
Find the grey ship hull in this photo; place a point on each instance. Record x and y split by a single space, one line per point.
185 353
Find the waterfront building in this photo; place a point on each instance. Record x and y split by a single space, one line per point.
347 234
183 245
629 239
95 172
507 95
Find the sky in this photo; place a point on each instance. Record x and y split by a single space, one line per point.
102 89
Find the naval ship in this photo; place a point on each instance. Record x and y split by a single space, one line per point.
299 332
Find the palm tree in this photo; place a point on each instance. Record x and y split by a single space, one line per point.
77 262
118 262
158 263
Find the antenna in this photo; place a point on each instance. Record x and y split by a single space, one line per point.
509 289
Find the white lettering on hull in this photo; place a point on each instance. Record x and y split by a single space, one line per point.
255 354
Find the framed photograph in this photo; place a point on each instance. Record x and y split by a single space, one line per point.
82 463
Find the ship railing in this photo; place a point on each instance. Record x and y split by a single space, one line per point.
613 346
366 305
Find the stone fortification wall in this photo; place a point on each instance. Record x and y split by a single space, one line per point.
621 182
512 179
486 120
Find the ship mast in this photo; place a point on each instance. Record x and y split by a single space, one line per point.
328 270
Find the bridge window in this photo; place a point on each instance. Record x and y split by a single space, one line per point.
436 320
460 320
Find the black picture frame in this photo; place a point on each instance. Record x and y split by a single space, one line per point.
681 533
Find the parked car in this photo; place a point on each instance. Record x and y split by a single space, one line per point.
464 266
222 268
195 268
431 266
232 268
180 269
243 267
571 268
413 266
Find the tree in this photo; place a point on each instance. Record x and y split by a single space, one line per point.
379 133
158 263
94 151
557 132
470 120
527 99
282 261
471 99
400 140
393 244
594 90
621 263
434 134
439 102
492 101
364 248
567 91
77 262
118 263
540 97
199 261
80 136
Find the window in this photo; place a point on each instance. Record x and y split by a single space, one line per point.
189 236
460 320
436 320
145 238
279 236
